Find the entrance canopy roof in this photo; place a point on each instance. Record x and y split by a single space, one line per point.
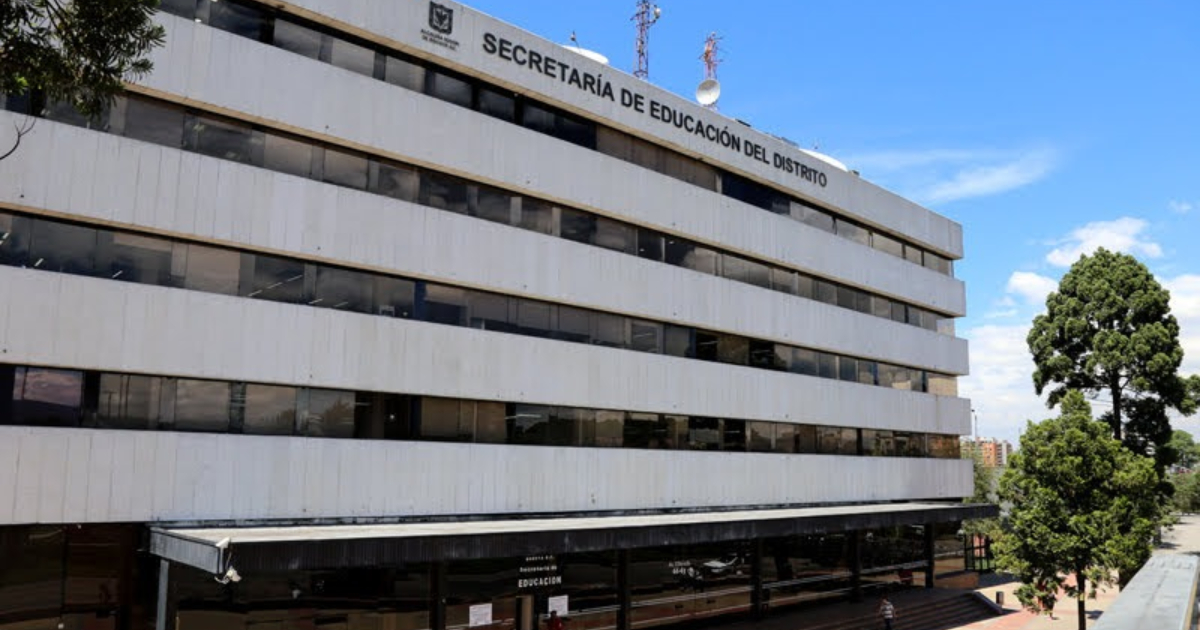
310 546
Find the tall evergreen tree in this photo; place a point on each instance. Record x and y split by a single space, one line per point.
1109 330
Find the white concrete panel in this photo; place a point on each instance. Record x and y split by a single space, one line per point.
464 141
420 358
9 455
427 243
843 190
380 478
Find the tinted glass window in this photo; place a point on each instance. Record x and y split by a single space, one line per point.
760 436
747 191
330 413
270 410
301 40
848 369
887 244
272 278
804 362
615 236
393 180
14 239
445 305
444 192
748 271
785 437
286 155
913 254
853 232
577 226
352 57
211 269
393 297
494 204
825 291
62 247
827 365
733 349
343 289
733 435
537 216
448 88
783 280
646 336
201 406
135 258
811 216
225 140
528 424
677 341
495 104
237 19
129 402
610 429
704 434
490 311
610 330
46 398
345 169
649 244
405 74
574 325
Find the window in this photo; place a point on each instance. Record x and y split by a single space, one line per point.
405 74
677 341
221 139
342 289
761 436
649 244
394 180
646 336
493 204
447 419
14 240
201 406
135 258
272 278
352 57
804 362
56 246
827 365
537 216
733 435
811 216
610 429
445 305
733 349
887 244
129 402
45 397
577 226
528 424
614 235
345 169
497 105
783 280
938 263
211 269
610 330
444 192
848 369
574 325
913 254
152 122
236 18
785 437
286 155
768 355
330 413
748 271
448 88
269 410
491 311
848 230
394 297
641 431
704 434
825 291
301 40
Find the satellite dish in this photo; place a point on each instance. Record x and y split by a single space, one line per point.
708 92
834 162
590 54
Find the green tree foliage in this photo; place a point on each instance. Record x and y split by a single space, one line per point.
1187 492
76 51
1109 329
985 492
1082 505
1183 449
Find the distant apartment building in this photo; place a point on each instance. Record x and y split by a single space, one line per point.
992 452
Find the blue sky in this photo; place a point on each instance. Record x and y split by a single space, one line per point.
1046 129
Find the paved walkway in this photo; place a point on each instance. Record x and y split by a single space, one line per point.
1184 538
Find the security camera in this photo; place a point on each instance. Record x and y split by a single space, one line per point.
231 575
223 543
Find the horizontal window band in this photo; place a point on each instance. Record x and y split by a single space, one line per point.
58 397
46 244
217 135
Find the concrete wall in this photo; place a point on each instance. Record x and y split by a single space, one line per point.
82 475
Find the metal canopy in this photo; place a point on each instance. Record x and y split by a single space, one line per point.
312 546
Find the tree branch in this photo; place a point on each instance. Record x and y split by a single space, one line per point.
21 130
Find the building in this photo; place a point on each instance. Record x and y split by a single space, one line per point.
992 453
392 315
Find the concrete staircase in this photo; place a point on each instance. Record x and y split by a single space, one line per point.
923 609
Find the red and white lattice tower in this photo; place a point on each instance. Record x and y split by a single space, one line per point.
710 58
645 17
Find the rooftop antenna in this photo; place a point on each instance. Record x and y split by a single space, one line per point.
709 89
647 14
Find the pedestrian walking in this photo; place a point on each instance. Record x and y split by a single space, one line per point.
888 612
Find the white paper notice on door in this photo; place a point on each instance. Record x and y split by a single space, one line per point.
559 604
480 615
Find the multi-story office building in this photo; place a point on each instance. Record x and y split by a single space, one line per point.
391 315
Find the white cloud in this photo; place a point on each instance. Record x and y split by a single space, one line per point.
1000 385
1180 207
1185 306
1122 235
941 175
983 180
1033 288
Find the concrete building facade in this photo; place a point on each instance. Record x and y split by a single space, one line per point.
395 315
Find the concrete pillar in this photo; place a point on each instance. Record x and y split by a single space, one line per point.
855 551
929 555
757 599
437 596
624 591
